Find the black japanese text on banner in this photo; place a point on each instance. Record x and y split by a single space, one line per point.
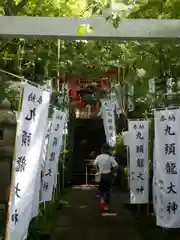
36 199
167 171
139 161
33 121
109 122
169 86
44 155
54 147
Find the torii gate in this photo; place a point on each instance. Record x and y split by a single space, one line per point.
67 28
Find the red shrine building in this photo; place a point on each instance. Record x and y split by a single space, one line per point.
85 95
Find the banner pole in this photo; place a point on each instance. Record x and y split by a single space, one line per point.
63 176
13 165
64 155
58 186
86 176
128 165
53 194
147 209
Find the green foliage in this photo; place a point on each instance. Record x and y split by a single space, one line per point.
158 9
64 155
49 8
119 147
43 224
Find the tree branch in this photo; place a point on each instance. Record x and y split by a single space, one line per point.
9 8
12 9
21 5
7 44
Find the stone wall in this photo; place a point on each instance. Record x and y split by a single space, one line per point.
7 139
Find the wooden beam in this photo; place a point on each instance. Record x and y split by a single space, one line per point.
67 28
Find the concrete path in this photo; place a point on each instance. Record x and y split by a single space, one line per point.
81 219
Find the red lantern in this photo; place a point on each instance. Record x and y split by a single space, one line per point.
73 93
81 103
105 83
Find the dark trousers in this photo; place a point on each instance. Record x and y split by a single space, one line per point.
105 187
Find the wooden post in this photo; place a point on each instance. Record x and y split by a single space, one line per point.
86 175
147 209
139 209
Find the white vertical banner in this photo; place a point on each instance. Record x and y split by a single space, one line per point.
65 132
36 199
54 147
169 86
131 105
127 140
46 143
167 171
103 114
118 98
32 126
178 85
139 161
152 85
109 122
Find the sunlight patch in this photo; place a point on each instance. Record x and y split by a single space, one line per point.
109 214
85 28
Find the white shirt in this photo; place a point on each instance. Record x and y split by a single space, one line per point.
105 163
